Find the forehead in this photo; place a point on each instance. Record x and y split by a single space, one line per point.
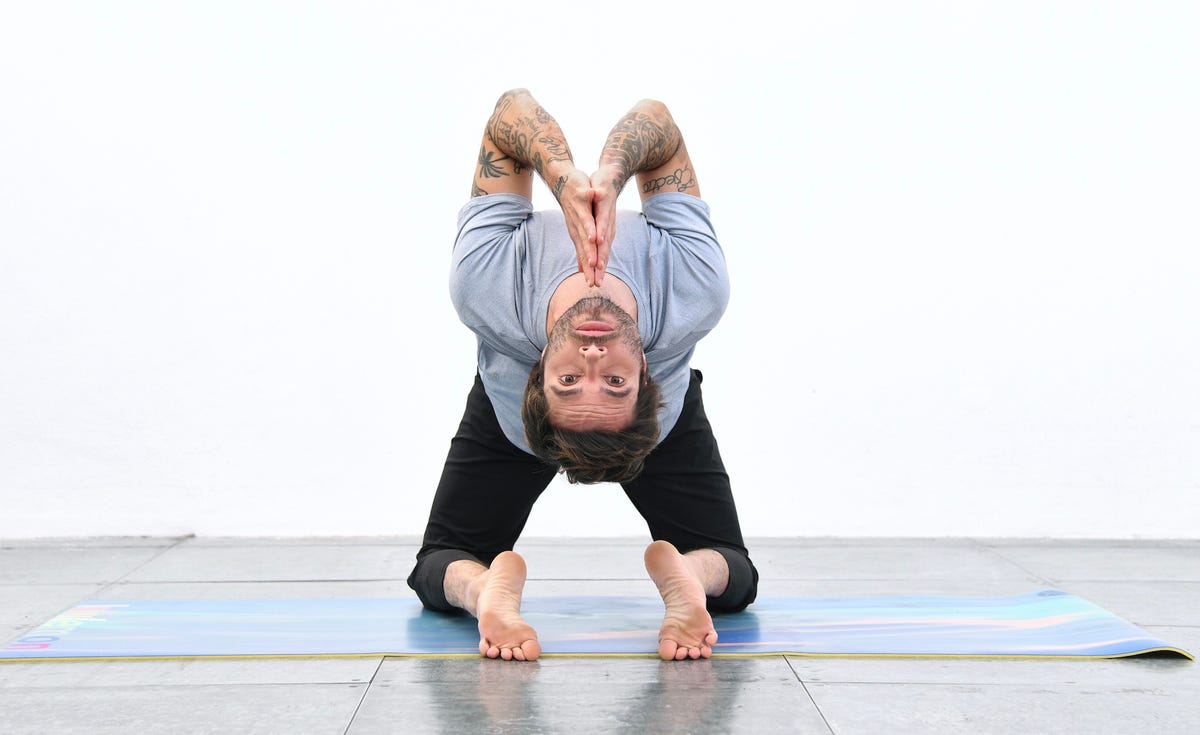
589 412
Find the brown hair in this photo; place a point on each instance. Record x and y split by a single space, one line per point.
592 456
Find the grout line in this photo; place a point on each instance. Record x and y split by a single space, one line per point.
363 698
804 686
97 592
997 553
156 557
305 580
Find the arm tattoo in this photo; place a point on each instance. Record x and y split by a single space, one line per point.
522 136
640 142
489 164
681 179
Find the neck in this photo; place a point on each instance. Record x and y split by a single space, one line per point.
575 287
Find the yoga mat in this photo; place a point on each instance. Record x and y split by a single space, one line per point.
1046 624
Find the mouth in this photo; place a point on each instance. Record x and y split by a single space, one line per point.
593 329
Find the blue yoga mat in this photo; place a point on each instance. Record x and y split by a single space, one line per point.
1049 624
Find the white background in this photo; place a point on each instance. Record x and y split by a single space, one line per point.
962 239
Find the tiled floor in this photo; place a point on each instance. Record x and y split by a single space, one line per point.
1153 584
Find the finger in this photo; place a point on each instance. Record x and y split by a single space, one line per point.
601 229
588 268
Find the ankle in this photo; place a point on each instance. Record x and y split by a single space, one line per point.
462 583
709 566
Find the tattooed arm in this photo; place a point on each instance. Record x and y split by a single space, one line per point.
520 138
645 143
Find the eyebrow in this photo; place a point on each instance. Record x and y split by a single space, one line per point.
574 391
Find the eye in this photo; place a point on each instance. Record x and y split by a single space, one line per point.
566 379
616 380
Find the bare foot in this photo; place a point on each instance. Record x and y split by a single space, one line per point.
687 629
502 631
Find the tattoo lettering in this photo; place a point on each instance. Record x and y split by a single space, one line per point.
557 148
681 178
558 187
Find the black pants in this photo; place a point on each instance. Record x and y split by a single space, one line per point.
488 487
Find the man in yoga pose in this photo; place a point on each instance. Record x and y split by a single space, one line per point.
586 320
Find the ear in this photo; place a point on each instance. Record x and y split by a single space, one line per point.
645 370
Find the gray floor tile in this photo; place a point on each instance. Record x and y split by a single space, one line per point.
871 587
803 542
27 606
588 696
1180 636
1077 562
1144 603
943 561
412 542
91 542
1175 674
632 542
391 588
570 559
268 709
194 672
193 563
1103 543
869 709
555 671
72 565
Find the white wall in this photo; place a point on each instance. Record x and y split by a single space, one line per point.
962 238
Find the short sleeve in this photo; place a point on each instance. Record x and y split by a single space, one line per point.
487 271
691 267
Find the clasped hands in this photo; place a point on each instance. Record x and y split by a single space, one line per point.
589 205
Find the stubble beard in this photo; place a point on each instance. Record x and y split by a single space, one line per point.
595 308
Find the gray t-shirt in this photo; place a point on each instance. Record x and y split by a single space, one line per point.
509 259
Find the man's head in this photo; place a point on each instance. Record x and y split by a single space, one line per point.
590 406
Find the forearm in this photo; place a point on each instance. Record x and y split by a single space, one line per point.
522 130
644 139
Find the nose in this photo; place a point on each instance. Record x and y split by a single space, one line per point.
592 351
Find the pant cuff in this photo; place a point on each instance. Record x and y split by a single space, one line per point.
429 575
742 588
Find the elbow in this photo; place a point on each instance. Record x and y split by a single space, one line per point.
513 93
656 108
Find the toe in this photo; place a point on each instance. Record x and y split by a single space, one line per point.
667 650
532 650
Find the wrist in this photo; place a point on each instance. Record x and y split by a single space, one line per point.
610 174
558 169
561 177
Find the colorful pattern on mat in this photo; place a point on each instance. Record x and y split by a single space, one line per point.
1049 623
